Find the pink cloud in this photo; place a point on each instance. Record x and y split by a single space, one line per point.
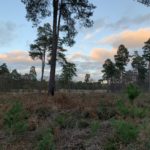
100 54
131 39
16 56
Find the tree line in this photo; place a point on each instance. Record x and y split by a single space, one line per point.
15 75
115 72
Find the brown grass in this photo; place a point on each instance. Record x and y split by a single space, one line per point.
74 104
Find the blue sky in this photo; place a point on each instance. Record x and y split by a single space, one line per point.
116 22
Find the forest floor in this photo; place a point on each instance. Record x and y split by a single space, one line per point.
74 121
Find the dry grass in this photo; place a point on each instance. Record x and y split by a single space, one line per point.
77 107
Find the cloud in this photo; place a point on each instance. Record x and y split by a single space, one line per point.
124 22
88 36
100 54
91 63
91 35
93 68
131 39
7 33
20 60
127 22
78 56
17 57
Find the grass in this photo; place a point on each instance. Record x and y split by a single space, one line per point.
69 120
15 119
126 132
95 126
61 120
47 141
111 144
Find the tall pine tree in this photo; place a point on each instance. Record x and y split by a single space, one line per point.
121 60
138 63
66 13
146 55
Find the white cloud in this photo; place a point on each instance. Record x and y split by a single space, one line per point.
88 36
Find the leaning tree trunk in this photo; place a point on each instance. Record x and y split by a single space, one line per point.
51 87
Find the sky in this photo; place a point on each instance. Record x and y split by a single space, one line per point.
115 22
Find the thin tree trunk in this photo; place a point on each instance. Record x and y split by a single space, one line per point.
107 85
51 87
43 67
121 78
149 76
42 72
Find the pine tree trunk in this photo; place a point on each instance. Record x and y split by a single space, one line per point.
121 80
149 76
51 88
121 77
43 66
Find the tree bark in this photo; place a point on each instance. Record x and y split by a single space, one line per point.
43 67
149 76
51 87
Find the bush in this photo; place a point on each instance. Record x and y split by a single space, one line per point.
111 144
130 111
132 92
147 144
15 120
138 112
95 125
125 132
123 110
47 141
66 121
61 120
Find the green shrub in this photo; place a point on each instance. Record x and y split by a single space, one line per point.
137 112
110 145
123 110
15 120
130 111
126 132
66 121
95 125
147 144
132 92
47 141
61 120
